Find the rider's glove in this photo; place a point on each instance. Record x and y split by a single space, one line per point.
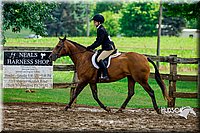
88 48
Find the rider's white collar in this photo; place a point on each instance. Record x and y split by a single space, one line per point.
98 26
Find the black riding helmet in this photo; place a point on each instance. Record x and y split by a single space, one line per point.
98 18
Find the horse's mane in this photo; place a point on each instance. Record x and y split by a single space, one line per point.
75 43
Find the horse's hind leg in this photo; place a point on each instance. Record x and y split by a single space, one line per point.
149 90
95 95
131 84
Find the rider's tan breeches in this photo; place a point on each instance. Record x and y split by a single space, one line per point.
104 54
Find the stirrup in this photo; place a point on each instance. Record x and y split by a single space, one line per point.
106 78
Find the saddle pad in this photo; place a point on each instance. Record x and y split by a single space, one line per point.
109 58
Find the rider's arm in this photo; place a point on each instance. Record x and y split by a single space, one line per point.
99 39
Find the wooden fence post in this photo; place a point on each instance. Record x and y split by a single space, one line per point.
198 87
172 81
75 80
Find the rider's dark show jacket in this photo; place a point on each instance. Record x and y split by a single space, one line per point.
102 39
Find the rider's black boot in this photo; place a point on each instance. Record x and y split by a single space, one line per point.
105 72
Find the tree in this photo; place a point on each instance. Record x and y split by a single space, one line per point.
172 26
111 24
29 15
114 7
111 13
191 24
139 19
176 16
69 19
186 10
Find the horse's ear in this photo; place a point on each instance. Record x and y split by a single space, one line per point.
64 38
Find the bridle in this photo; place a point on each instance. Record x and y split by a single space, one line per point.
60 48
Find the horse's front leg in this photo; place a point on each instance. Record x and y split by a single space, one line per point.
78 90
93 87
131 85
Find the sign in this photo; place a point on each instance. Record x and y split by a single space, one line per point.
27 70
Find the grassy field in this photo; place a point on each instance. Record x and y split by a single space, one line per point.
182 47
112 94
22 34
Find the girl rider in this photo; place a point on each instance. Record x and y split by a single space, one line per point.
106 43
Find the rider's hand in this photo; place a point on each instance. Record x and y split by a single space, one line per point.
88 48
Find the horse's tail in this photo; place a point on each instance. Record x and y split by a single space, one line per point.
159 80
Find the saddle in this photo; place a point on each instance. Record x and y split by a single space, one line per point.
106 61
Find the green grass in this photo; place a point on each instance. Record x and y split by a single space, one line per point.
182 47
22 34
62 76
112 94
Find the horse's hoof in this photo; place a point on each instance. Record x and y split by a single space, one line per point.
108 110
67 107
158 111
119 111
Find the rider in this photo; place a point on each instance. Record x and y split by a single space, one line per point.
106 43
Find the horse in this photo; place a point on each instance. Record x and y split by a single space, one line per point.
132 65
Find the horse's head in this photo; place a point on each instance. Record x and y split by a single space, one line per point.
59 50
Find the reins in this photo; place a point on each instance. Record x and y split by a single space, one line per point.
62 46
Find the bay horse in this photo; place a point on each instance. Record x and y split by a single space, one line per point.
132 65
